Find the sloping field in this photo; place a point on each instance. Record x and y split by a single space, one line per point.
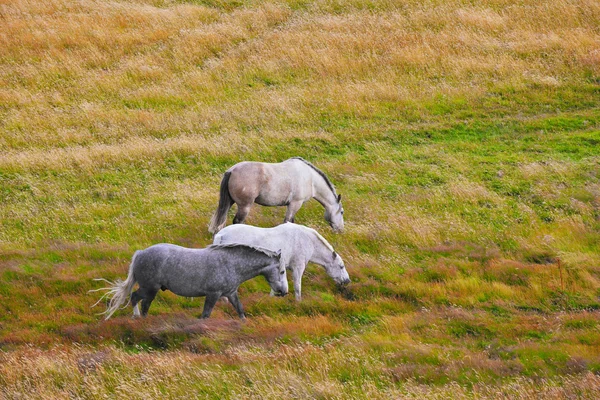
464 137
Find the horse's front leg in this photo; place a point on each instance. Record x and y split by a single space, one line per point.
298 271
237 304
292 209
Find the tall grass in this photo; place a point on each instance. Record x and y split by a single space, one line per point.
463 136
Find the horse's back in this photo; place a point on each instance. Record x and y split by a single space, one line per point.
288 237
287 229
270 184
162 257
244 234
166 256
162 250
249 165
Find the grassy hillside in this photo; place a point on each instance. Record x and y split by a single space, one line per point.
465 140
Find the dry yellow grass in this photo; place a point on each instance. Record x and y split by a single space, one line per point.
463 136
68 68
109 372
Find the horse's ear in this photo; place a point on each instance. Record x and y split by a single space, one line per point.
278 253
339 198
282 262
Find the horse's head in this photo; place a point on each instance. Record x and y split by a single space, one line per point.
276 275
337 270
334 215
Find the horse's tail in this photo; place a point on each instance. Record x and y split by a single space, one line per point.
119 291
217 221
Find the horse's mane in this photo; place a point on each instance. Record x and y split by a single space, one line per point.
329 184
325 242
318 235
267 252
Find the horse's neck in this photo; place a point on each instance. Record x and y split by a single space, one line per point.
254 269
321 253
321 191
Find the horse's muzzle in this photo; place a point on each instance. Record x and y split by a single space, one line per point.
336 229
344 282
281 294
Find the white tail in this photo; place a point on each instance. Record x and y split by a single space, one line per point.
119 291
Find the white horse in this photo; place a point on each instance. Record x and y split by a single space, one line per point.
299 245
289 183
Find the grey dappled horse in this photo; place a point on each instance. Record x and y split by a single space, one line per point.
299 245
215 271
289 183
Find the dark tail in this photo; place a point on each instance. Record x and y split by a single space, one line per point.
218 219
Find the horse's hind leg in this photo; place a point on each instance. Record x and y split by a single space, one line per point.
209 303
135 299
144 295
242 213
147 300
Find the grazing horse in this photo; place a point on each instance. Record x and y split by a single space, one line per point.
215 271
299 245
289 183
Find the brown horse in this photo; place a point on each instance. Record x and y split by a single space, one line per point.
289 183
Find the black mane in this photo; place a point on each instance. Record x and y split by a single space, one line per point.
331 187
